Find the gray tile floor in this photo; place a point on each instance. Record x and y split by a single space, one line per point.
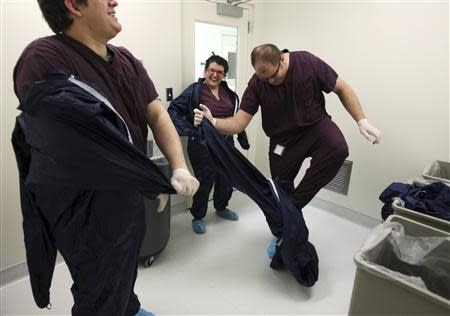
226 271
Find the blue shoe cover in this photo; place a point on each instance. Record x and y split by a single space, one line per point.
228 214
199 227
272 249
143 312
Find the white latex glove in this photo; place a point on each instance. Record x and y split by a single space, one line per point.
162 199
204 112
183 182
370 132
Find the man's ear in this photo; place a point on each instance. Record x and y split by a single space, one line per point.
72 6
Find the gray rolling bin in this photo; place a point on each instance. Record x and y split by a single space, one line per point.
398 204
438 171
381 292
158 223
432 221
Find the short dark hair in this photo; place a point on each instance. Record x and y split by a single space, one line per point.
218 60
266 53
56 14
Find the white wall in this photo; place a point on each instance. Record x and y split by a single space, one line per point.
15 16
395 56
151 31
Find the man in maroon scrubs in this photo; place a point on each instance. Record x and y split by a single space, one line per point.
80 47
289 86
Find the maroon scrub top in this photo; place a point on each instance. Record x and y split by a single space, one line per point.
298 102
219 108
123 80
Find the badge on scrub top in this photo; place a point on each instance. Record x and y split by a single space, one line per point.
279 150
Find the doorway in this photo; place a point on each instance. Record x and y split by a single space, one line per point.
219 40
204 31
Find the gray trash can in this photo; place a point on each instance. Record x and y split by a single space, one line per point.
377 290
398 205
158 223
438 171
423 218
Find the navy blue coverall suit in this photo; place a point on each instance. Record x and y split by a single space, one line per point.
181 111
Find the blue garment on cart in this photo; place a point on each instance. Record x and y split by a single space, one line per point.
432 199
67 140
284 219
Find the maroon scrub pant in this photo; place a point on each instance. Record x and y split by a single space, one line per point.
326 146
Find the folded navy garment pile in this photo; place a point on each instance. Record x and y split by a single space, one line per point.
432 199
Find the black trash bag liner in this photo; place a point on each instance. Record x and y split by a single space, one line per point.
424 261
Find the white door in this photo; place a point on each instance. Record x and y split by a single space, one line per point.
219 40
204 12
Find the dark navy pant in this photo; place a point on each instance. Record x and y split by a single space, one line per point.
207 175
326 146
99 234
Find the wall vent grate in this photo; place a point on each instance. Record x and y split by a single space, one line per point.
341 181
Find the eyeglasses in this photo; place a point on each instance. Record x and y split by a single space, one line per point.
211 71
273 76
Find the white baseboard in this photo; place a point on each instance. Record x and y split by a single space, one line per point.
356 217
18 271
